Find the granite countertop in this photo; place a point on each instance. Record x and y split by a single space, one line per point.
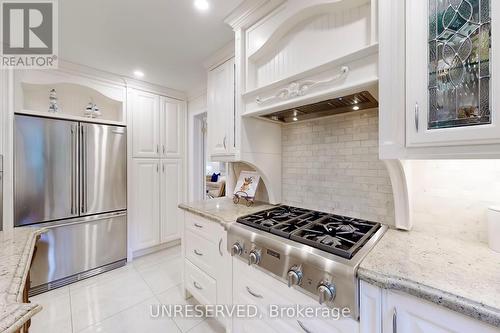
222 210
16 251
461 276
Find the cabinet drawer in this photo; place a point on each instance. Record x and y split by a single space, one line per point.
201 252
199 284
205 228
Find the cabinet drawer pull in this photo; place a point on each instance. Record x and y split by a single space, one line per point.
304 328
254 294
197 286
224 142
394 321
163 149
198 253
198 225
220 251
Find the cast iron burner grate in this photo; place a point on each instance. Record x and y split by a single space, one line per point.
336 234
267 219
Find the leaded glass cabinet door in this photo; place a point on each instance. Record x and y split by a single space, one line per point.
452 72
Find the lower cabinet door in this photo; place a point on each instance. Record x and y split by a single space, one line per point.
408 314
171 195
144 203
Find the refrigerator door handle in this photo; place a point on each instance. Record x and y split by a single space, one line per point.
73 173
83 184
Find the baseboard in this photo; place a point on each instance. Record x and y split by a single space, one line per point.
149 250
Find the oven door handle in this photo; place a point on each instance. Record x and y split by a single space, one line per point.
304 328
254 294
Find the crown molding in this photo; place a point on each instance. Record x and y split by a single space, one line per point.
220 56
249 12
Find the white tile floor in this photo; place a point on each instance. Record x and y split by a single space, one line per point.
119 301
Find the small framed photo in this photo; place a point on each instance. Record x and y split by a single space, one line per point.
247 184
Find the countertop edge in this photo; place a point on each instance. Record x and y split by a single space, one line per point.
18 313
20 316
198 212
453 302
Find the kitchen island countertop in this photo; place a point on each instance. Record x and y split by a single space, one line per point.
16 251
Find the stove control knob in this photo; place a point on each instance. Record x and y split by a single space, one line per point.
237 249
326 292
294 276
254 257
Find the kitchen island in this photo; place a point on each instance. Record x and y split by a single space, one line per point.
17 248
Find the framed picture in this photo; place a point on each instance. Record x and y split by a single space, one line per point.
247 184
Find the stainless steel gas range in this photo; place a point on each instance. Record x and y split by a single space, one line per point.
316 253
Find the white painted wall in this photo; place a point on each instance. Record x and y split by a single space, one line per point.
450 197
196 106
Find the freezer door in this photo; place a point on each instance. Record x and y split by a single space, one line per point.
45 170
79 245
103 163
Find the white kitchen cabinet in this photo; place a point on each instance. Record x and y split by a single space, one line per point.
172 124
158 124
207 264
170 197
390 311
436 84
144 110
450 83
156 191
221 115
145 203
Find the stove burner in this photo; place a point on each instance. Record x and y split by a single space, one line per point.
336 234
269 218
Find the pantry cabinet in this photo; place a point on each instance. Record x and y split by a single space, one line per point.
438 61
144 110
171 197
221 115
156 177
384 311
145 203
156 194
157 125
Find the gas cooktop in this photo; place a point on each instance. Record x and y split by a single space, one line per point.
339 235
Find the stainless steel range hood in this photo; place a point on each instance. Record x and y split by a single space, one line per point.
354 102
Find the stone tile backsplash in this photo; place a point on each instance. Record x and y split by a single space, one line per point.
332 165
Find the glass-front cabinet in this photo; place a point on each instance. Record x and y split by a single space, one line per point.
452 72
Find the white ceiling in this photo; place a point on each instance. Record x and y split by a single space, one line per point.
167 39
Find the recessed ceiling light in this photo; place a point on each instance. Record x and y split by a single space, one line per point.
355 108
202 5
295 119
138 74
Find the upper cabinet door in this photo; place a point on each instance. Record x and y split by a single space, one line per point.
452 66
145 115
172 114
221 110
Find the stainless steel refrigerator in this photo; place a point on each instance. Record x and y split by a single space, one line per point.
71 177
